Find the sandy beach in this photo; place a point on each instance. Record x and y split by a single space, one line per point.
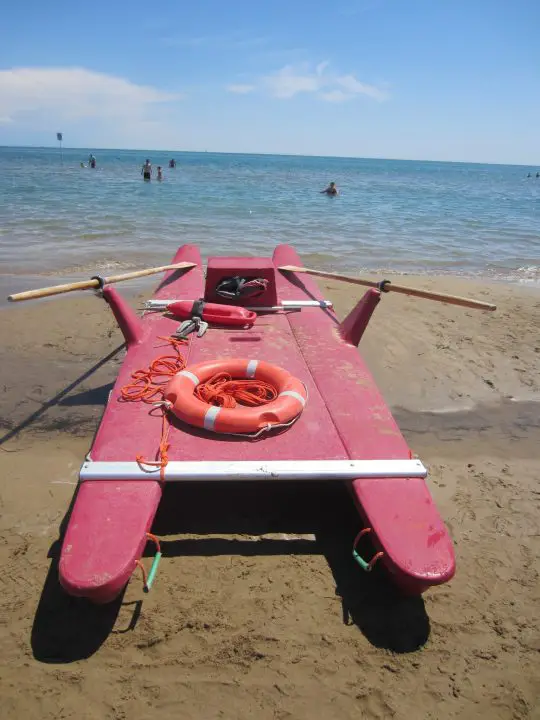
258 609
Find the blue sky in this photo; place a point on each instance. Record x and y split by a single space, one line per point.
419 79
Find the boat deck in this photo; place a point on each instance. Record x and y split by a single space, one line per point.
345 418
270 339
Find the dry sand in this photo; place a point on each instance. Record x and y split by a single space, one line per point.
244 622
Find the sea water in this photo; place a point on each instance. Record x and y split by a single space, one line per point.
58 218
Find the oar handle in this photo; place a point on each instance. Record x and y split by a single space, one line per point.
414 292
89 284
54 290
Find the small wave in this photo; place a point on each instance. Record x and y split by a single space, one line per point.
525 274
91 266
103 235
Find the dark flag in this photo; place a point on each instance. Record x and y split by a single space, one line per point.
59 137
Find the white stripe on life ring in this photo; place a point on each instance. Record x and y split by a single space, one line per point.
251 368
194 379
294 394
210 417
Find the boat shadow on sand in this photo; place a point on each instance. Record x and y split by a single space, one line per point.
67 629
322 511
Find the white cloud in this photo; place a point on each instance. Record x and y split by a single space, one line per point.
321 67
288 82
354 87
292 80
335 96
240 89
74 93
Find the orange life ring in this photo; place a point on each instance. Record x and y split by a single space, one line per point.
290 402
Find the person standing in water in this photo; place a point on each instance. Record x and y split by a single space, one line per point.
146 171
330 190
92 161
172 163
159 173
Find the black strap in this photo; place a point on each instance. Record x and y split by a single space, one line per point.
198 308
101 281
236 287
230 286
382 285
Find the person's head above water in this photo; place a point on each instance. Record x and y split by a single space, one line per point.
331 189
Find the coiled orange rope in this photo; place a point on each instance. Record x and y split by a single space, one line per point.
224 391
148 386
163 450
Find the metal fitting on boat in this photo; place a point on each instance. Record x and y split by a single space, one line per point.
101 280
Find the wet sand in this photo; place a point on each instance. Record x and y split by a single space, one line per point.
258 608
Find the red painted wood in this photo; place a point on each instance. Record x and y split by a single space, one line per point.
356 322
125 316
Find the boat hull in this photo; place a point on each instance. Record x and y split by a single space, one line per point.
345 418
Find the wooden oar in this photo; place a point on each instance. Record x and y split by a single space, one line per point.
415 292
89 284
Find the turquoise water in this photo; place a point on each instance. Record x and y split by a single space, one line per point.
404 216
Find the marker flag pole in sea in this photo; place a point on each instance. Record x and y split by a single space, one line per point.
59 138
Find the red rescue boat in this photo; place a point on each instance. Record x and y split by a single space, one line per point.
344 433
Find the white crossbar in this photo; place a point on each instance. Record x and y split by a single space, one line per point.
284 305
243 470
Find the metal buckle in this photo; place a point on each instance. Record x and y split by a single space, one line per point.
194 324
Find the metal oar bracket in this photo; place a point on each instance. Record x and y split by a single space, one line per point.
248 471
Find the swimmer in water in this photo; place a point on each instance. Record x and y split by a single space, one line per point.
159 173
330 190
146 171
172 163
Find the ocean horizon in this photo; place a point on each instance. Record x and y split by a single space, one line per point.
90 149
